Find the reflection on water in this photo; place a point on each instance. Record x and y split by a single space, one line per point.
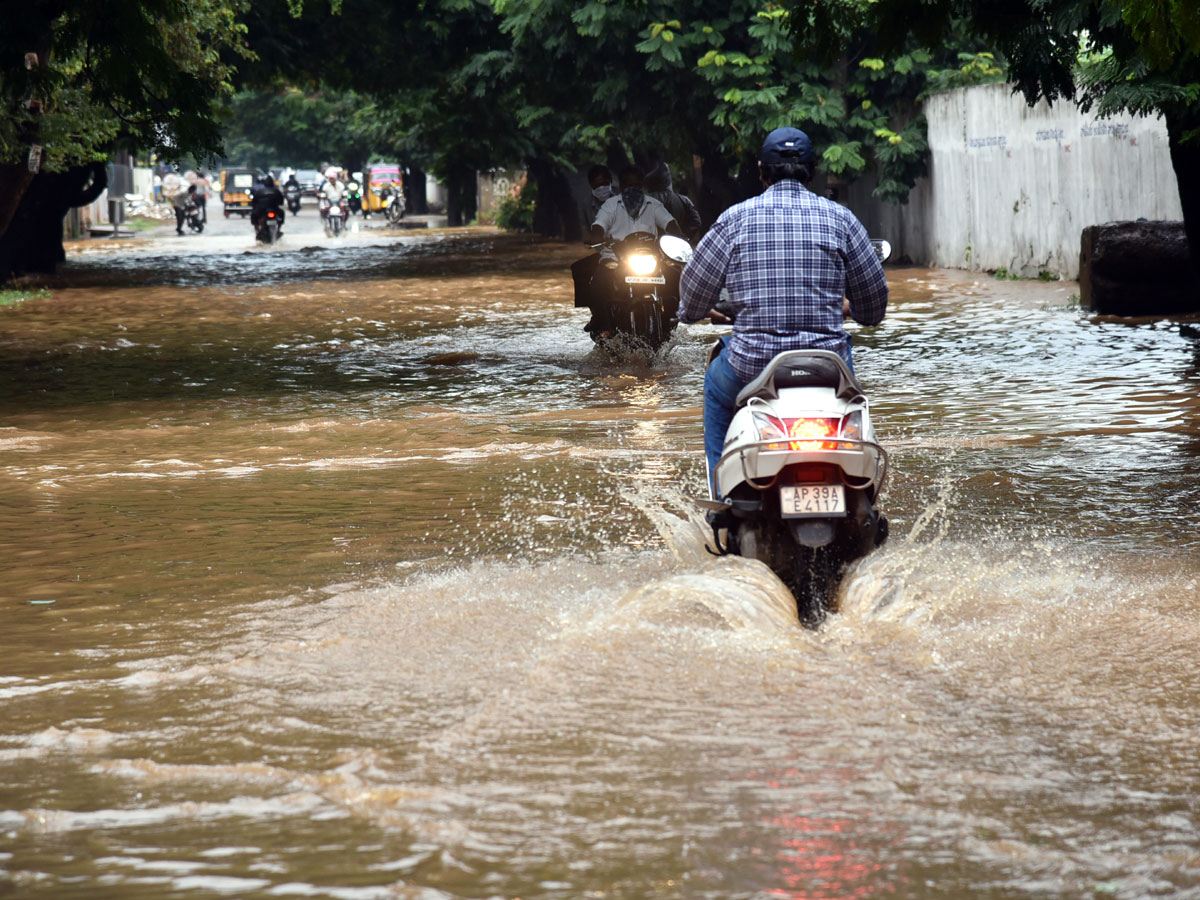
366 576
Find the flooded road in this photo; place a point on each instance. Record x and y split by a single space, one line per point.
349 569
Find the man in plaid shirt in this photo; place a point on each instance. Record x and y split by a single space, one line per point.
794 264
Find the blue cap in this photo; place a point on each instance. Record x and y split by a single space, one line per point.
787 145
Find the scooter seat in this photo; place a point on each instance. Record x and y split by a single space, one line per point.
802 368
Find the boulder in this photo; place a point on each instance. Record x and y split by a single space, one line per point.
1137 269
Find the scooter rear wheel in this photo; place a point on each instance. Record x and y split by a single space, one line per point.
811 575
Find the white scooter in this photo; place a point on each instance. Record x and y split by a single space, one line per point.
799 475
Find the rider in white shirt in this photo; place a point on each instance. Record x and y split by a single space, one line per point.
621 215
331 188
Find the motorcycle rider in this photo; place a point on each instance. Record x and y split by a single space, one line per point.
680 206
353 194
264 198
583 270
794 264
180 203
332 190
291 189
619 216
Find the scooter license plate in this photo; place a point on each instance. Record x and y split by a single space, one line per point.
645 279
812 500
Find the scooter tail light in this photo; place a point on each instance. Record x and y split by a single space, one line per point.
852 425
807 430
770 429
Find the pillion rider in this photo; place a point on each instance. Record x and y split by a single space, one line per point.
621 215
794 264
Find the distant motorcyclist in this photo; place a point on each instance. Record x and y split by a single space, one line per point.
332 197
631 210
624 214
353 194
291 190
331 188
264 198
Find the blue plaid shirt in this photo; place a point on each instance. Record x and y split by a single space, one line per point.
787 257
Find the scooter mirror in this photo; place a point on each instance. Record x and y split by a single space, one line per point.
675 247
882 248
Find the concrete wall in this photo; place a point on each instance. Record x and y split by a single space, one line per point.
1012 186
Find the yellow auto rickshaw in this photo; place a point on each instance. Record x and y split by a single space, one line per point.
236 186
381 182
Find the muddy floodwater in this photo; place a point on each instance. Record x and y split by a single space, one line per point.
351 570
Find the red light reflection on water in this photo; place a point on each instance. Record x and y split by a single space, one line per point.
820 858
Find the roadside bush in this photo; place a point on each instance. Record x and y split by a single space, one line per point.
515 211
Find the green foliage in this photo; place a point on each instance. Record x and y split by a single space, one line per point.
146 73
814 67
1113 56
980 67
297 127
515 211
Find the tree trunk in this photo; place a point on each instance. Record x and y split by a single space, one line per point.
14 182
461 191
414 191
1185 158
33 242
560 211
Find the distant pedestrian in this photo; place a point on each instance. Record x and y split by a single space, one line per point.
203 192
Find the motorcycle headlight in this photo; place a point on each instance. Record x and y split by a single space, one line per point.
642 264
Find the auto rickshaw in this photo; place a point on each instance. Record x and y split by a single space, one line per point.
236 187
381 182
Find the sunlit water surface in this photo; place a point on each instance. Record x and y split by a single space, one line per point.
357 573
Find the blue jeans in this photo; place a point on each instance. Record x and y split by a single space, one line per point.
721 387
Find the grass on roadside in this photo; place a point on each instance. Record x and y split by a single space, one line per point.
20 295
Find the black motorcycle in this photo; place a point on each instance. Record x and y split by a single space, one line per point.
268 226
194 216
394 204
636 289
353 197
292 192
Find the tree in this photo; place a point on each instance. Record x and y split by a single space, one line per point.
1137 56
707 80
302 128
79 78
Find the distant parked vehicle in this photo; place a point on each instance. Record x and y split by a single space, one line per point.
236 187
310 181
382 181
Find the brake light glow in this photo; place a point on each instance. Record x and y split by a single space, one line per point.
809 429
807 433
